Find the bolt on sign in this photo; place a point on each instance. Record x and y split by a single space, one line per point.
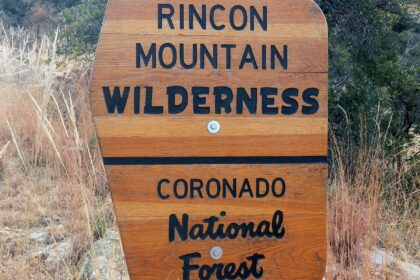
212 121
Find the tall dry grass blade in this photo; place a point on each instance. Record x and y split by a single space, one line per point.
4 149
74 122
38 111
50 137
92 164
17 146
61 117
31 194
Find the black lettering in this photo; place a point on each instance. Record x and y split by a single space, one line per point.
283 59
268 101
116 101
205 272
212 58
182 183
232 17
232 230
174 225
277 225
247 230
187 267
201 19
209 229
173 56
159 189
141 55
218 267
258 182
184 64
246 188
216 183
149 108
227 186
173 92
254 261
287 98
167 16
197 232
196 188
248 57
264 57
223 99
308 97
283 187
212 16
243 272
181 16
229 271
261 20
263 229
136 100
199 100
228 48
242 98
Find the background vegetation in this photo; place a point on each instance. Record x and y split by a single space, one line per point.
374 57
374 182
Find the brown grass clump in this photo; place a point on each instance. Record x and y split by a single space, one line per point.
51 175
371 209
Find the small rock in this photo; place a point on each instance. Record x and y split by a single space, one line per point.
6 228
57 218
19 232
112 235
412 270
59 237
10 246
53 256
41 254
101 268
42 237
45 221
108 259
60 227
59 253
380 257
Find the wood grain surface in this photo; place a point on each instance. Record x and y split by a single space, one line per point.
143 218
146 196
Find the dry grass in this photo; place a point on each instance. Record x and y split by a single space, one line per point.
49 161
372 205
50 165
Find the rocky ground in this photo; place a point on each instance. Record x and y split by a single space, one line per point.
105 260
53 252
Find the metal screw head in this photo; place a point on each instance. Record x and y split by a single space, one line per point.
213 127
216 253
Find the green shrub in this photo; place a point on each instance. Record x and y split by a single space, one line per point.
374 69
98 227
80 26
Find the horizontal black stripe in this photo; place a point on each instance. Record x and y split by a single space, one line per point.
212 160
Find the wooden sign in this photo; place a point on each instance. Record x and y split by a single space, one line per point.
212 121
